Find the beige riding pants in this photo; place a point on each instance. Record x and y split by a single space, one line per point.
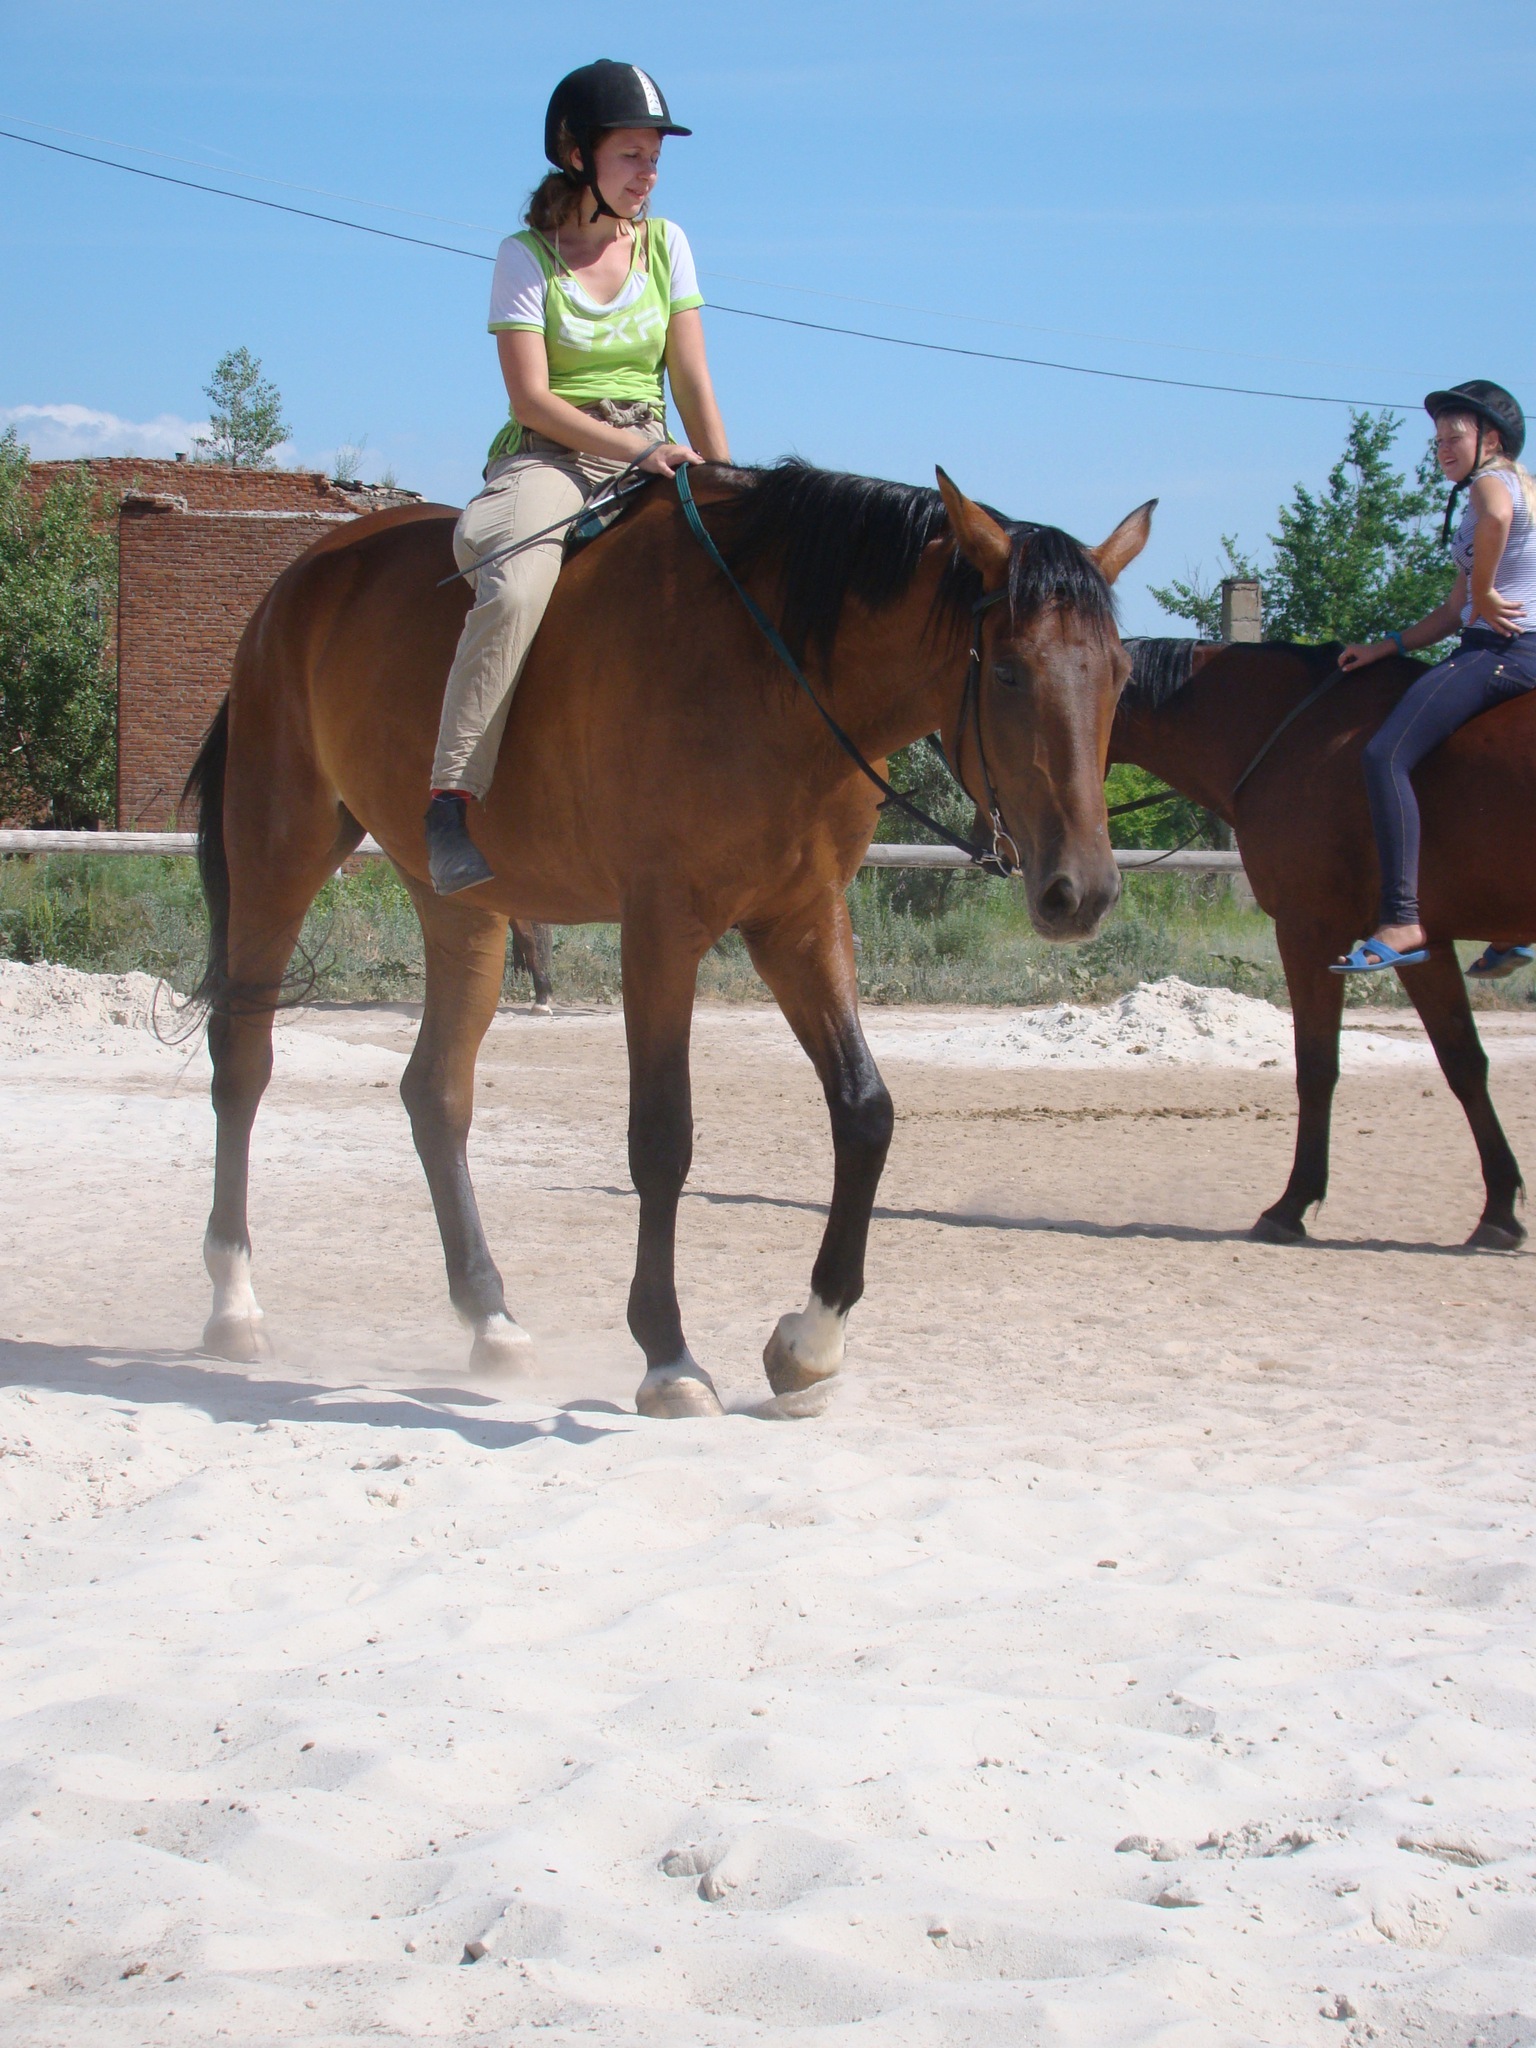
523 493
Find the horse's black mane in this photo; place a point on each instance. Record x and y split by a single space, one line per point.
1161 668
832 536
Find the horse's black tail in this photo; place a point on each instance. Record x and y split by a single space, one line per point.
205 786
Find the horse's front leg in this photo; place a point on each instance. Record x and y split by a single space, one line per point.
1440 996
807 960
1317 1009
661 955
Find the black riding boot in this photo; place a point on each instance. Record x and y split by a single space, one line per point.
453 859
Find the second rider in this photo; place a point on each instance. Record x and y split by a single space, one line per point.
589 306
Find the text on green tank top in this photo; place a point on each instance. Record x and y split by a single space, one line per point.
614 355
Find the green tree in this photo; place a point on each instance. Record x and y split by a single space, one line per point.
1348 562
247 419
58 692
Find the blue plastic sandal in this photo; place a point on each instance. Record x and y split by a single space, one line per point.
1497 961
1372 955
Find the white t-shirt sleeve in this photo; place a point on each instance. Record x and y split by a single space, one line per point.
517 289
685 278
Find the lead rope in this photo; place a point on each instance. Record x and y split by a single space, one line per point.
994 858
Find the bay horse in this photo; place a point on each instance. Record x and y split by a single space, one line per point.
659 769
1196 715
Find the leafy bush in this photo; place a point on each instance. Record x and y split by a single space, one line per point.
58 691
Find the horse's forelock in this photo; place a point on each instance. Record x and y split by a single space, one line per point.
1049 570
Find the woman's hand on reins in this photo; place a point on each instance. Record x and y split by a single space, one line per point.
667 457
1361 654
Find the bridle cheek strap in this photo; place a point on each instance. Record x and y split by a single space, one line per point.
1003 856
1005 850
994 859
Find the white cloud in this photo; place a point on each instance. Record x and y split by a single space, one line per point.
62 432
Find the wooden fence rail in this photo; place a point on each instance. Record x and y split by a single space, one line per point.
1130 859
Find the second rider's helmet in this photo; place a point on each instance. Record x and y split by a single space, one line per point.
598 96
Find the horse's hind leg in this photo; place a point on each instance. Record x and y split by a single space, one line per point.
532 953
271 886
465 955
1317 1008
807 960
541 968
1439 995
660 973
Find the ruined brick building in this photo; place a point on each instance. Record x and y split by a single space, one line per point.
199 544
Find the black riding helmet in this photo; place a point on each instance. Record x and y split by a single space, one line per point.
1491 406
598 96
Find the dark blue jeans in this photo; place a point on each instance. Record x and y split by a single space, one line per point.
1487 670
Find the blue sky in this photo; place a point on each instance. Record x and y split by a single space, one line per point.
1314 198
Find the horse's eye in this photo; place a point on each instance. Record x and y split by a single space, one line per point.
1007 674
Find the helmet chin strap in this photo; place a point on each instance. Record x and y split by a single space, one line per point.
590 184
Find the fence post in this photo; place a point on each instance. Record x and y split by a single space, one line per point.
1242 610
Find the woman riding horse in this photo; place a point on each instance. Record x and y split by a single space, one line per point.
1479 433
587 310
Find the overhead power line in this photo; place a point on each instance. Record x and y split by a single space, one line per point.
770 284
986 355
247 198
196 163
739 312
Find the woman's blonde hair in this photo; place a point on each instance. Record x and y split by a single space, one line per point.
1522 475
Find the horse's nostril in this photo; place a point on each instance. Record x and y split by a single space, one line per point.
1059 899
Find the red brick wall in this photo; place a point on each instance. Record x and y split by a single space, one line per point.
209 486
188 581
199 544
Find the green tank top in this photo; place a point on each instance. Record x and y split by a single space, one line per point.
616 355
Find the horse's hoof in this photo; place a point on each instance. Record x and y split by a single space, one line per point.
501 1346
242 1339
541 1009
809 1401
1272 1229
677 1393
803 1358
1496 1237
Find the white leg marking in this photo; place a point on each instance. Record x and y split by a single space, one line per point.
235 1327
672 1393
501 1346
804 1355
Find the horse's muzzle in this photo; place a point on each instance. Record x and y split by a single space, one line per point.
1072 901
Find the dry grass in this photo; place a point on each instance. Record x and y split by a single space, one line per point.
924 938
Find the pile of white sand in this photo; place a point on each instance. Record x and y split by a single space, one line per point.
54 1014
46 1008
1170 1023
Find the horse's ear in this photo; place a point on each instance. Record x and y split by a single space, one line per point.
984 544
1126 542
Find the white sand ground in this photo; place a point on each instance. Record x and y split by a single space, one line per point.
1139 1652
